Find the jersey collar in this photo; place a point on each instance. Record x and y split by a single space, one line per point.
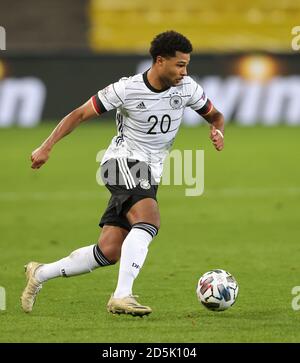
147 83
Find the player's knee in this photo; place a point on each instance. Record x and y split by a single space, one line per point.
156 224
145 210
154 220
151 217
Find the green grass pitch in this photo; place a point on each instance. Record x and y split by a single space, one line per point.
247 222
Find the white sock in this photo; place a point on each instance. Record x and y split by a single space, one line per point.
80 261
133 255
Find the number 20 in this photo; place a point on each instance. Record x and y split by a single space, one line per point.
162 129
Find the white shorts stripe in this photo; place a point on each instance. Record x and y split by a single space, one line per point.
126 172
129 172
123 174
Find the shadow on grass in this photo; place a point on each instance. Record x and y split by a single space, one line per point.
236 314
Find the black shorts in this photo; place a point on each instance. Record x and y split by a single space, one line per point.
128 182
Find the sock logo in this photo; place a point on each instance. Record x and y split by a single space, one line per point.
135 265
63 272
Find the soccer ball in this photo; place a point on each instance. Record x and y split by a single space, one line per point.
217 290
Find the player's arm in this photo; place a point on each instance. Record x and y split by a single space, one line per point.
67 124
216 120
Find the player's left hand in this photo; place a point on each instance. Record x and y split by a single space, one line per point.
217 138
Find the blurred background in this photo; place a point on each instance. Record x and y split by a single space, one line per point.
59 53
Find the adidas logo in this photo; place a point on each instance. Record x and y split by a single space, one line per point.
141 106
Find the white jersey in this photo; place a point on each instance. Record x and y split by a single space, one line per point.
147 119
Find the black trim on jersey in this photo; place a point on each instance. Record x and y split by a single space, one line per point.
145 99
120 126
99 105
147 83
156 132
204 110
143 122
180 96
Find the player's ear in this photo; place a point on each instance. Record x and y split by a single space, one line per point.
159 60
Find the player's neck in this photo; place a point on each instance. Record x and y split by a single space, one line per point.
155 81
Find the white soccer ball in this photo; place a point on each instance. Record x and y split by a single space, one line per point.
217 290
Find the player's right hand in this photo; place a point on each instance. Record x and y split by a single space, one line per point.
39 156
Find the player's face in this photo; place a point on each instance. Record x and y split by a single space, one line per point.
173 69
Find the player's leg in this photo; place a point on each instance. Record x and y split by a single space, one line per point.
86 259
145 210
80 261
145 221
110 242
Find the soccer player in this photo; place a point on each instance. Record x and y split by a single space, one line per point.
149 109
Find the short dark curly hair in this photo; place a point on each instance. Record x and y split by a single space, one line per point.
166 44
